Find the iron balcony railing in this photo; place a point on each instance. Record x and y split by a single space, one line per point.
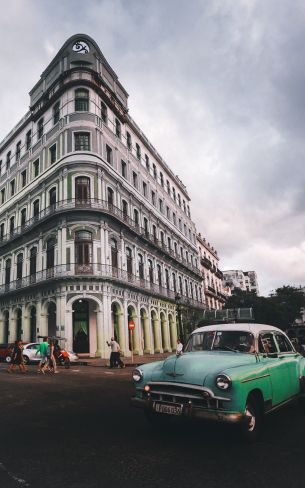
96 270
99 205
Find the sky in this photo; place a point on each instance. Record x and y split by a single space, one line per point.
218 87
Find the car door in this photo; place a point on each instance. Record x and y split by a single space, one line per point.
291 359
277 368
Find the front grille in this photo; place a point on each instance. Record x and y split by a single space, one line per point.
184 395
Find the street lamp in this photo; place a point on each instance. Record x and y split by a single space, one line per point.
180 329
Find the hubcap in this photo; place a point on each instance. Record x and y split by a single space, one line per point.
251 419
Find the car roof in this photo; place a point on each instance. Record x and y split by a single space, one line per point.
255 329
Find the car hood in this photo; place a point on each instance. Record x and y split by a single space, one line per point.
194 367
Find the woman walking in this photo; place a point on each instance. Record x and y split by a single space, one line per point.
17 358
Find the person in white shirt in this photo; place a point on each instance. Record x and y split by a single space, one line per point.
179 347
115 352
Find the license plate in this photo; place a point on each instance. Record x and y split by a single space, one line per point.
175 409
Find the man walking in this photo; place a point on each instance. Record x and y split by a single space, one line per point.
42 349
115 352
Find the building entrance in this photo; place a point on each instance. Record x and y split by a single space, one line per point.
81 326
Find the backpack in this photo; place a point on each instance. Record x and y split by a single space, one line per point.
48 350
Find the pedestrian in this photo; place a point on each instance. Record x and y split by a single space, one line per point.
42 349
179 347
115 352
51 356
17 358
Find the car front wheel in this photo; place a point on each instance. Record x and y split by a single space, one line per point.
251 428
26 360
8 359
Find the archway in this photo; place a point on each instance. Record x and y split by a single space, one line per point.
33 324
154 330
81 326
6 317
144 330
131 334
172 332
52 319
116 313
163 332
18 324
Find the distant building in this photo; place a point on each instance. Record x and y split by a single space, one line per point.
243 280
215 296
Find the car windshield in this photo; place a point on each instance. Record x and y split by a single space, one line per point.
229 340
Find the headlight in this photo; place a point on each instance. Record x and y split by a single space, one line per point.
223 382
137 375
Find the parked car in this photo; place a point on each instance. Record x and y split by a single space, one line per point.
6 352
233 373
29 353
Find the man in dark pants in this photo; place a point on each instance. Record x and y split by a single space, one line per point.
115 352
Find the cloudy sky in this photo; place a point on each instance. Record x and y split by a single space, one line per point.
218 86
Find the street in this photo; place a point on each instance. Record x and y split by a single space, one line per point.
76 429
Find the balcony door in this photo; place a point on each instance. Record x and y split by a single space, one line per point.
83 252
82 191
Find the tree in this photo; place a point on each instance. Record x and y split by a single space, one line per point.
280 309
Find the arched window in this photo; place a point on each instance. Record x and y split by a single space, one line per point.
191 290
12 225
114 253
83 252
180 286
50 253
129 262
174 282
125 208
186 288
52 197
33 264
81 100
150 271
167 279
136 217
19 269
8 265
82 190
110 199
159 272
154 228
36 209
141 266
23 217
146 227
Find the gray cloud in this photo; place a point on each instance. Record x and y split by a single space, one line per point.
217 86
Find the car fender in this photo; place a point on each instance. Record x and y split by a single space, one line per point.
245 379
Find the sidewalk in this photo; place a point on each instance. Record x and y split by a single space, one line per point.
137 360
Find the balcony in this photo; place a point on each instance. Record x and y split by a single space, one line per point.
94 204
94 271
206 263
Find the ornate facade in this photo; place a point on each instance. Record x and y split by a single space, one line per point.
214 292
95 229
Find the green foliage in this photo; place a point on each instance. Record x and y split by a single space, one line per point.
280 309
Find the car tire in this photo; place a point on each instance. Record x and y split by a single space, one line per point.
26 360
251 429
8 359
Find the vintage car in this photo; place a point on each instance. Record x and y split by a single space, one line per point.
232 373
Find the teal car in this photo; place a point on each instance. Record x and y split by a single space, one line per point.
233 373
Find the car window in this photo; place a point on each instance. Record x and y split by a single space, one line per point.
283 343
200 342
33 346
234 340
266 343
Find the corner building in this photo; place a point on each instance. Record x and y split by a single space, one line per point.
95 229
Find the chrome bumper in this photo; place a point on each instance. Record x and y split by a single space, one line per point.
190 411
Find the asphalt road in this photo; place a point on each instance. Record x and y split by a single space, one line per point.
77 430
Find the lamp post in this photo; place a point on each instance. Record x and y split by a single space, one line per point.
178 305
